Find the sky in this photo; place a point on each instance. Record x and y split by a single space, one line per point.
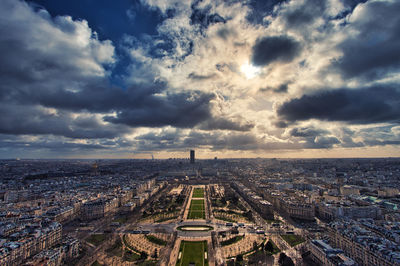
228 78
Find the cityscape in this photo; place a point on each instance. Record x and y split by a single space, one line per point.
200 212
200 133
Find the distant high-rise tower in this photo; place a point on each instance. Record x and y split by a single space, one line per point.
191 156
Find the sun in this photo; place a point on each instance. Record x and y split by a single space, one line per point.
249 70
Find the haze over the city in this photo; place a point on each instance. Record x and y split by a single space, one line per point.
254 78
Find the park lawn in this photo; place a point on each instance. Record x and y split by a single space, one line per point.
96 239
196 210
116 248
196 215
131 256
293 240
197 207
193 252
121 220
198 193
96 263
197 202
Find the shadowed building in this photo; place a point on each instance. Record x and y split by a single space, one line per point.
191 156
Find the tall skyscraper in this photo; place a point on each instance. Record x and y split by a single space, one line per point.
191 156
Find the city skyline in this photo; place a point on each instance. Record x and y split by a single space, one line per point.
213 212
228 79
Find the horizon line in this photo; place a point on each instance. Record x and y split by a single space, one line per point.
203 159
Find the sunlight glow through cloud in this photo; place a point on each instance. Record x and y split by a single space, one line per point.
249 70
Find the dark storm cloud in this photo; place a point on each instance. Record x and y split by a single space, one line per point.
135 107
226 124
315 138
375 142
25 146
204 17
179 110
356 106
307 132
373 51
24 64
280 124
277 48
98 98
165 136
259 9
299 17
33 120
305 14
156 141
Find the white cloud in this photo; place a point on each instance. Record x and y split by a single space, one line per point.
62 41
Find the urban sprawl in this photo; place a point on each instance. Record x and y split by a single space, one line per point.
200 212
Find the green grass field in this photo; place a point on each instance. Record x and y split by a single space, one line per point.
96 239
196 210
293 240
131 256
115 249
198 193
193 252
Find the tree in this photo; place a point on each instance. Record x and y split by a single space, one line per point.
234 199
285 260
269 247
248 215
239 257
288 262
255 247
282 257
143 255
155 255
223 201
